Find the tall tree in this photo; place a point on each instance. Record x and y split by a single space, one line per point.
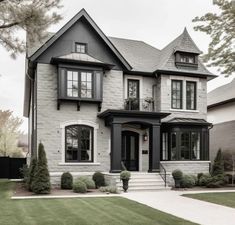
221 28
9 134
32 16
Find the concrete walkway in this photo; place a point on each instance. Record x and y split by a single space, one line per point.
197 211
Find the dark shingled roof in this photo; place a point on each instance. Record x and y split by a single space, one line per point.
222 94
185 121
146 58
137 55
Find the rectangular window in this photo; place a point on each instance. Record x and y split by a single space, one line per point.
165 146
80 48
176 94
187 59
79 84
195 145
86 85
133 101
185 146
173 146
191 95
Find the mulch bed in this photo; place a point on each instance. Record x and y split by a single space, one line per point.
21 191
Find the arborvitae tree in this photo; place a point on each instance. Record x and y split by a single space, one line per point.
32 171
218 166
41 183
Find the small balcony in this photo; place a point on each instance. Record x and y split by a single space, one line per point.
146 104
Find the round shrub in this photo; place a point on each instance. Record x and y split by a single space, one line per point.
66 181
98 178
177 174
90 184
109 189
79 187
204 180
187 181
125 175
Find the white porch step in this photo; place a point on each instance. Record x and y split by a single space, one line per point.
143 182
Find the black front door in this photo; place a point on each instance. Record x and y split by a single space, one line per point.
130 150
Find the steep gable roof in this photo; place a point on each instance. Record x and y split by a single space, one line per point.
81 13
183 43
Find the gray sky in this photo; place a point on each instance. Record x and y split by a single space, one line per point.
156 22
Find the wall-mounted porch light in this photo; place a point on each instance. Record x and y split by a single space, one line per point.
145 136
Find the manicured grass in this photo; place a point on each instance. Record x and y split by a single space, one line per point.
79 211
221 198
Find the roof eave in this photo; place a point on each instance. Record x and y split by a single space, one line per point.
55 60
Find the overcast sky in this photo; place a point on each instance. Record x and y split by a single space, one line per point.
156 22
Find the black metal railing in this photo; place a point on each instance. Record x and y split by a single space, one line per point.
163 173
146 104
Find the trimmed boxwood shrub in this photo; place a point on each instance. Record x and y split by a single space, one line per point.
177 174
125 175
187 181
66 181
41 182
98 178
204 180
79 187
109 189
90 184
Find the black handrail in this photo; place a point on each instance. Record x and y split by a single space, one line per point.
123 166
163 176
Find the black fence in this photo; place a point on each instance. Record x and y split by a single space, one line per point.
10 167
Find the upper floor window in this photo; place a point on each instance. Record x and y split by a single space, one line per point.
79 84
190 95
78 143
80 48
186 59
176 94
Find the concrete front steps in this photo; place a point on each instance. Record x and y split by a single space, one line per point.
144 182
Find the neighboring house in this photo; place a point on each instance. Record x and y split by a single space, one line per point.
99 102
221 112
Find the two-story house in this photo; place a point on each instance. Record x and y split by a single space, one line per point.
98 103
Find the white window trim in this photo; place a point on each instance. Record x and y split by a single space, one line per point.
94 125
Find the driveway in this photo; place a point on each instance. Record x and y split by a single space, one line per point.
197 211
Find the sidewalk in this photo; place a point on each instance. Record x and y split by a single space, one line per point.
197 211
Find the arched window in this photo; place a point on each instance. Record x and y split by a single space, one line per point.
79 143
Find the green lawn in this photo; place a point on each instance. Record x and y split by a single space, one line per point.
221 198
79 211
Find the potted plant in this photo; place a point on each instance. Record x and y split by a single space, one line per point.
125 177
177 175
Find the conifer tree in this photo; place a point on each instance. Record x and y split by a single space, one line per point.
41 183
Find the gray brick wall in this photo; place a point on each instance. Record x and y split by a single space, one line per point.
49 118
165 99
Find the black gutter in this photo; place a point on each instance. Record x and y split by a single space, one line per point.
221 103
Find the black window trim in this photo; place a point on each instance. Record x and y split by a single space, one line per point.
79 138
79 83
204 151
181 93
80 43
195 95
